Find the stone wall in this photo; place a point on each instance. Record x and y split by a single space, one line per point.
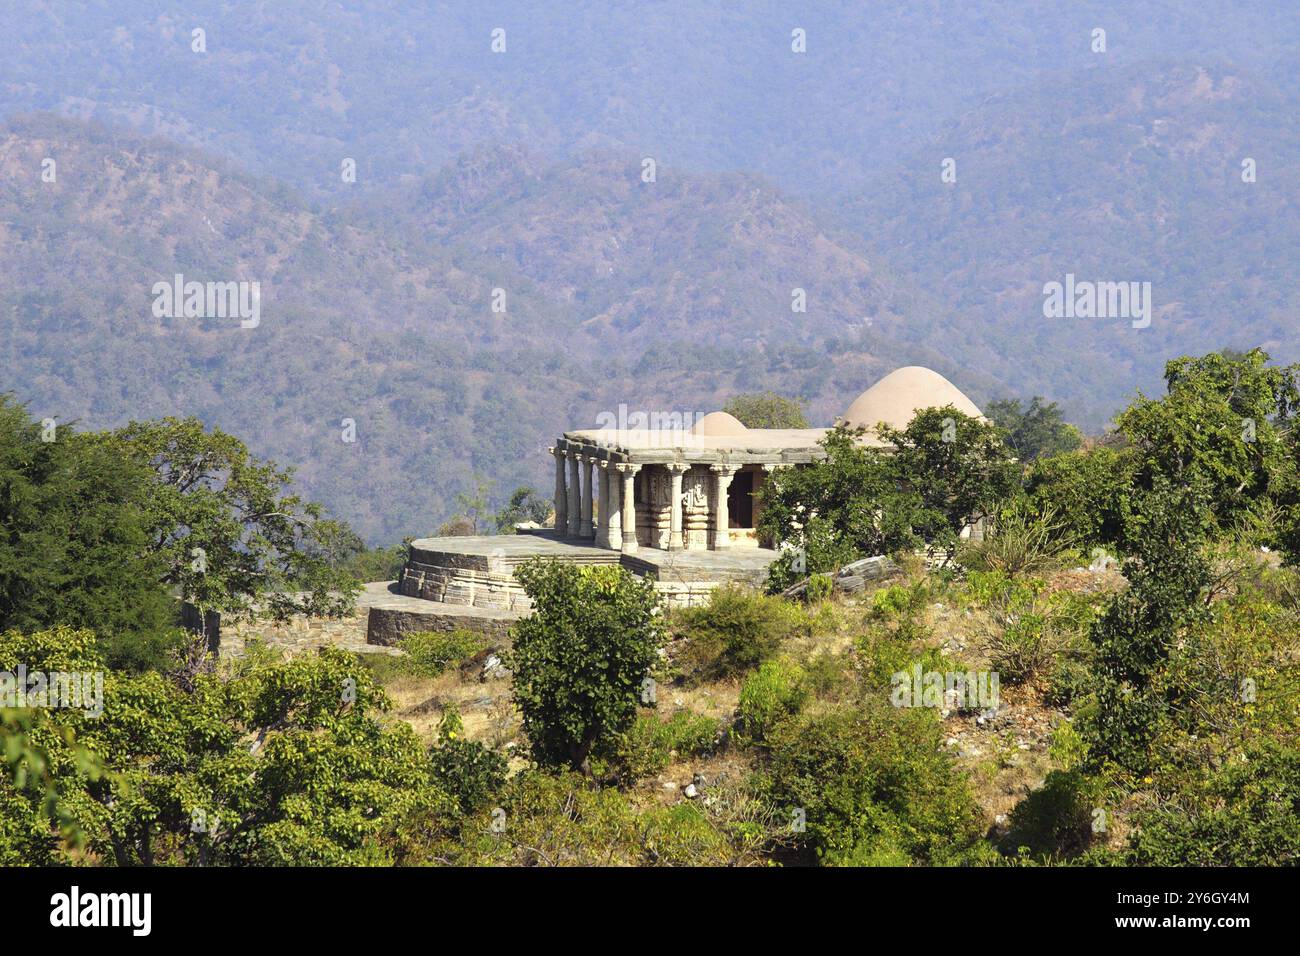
299 633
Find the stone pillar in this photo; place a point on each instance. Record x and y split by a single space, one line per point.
585 530
602 515
575 497
629 507
676 469
718 536
561 494
611 494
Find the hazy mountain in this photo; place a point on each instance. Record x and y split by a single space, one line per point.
1131 174
517 178
387 320
293 87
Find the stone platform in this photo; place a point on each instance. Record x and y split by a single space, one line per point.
478 571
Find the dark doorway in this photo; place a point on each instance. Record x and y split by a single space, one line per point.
740 501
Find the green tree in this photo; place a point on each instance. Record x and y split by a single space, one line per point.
930 479
957 465
524 505
1226 423
226 534
280 762
873 785
1087 492
767 410
74 540
1034 432
1168 576
581 658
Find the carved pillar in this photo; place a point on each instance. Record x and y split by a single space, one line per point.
629 507
585 530
561 494
676 469
575 497
613 498
602 512
718 536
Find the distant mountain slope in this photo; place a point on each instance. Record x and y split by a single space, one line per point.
290 88
669 298
1121 175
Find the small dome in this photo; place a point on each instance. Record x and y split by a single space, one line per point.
718 425
897 397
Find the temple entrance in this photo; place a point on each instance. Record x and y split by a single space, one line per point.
740 501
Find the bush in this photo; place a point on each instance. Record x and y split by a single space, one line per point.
1056 820
651 744
1028 631
464 769
874 783
735 632
820 587
1244 814
429 653
1086 492
580 660
1020 542
773 693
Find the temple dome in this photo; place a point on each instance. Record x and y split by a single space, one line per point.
897 397
719 425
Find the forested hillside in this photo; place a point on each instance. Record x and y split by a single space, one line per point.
777 174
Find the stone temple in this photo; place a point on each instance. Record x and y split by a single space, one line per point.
659 495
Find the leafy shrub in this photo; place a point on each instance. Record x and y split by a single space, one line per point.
1071 681
820 587
1246 813
429 653
581 658
774 692
1056 820
1028 631
1088 493
464 769
1019 542
735 632
651 743
874 783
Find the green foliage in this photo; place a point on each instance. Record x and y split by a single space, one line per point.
275 763
874 783
767 410
466 770
524 505
1028 631
1224 427
1036 431
652 743
820 588
1055 821
1087 492
1135 636
227 537
773 693
942 471
1018 541
581 658
1244 813
429 653
733 633
75 541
